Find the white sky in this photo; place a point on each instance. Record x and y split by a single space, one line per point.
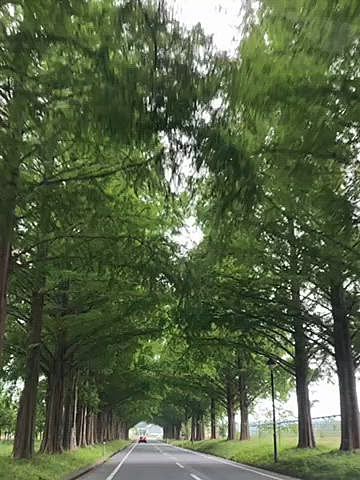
221 19
218 18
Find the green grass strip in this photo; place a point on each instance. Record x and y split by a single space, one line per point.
54 467
323 463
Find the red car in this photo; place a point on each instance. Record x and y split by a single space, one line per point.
142 439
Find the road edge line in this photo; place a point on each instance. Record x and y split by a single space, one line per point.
83 471
123 460
235 464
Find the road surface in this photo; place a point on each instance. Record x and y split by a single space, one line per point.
159 461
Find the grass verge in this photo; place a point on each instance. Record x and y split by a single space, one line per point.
53 467
323 463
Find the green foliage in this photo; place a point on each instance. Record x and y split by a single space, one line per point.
7 412
102 103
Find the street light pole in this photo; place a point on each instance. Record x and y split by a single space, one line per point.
272 365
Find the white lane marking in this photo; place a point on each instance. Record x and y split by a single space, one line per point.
169 456
179 465
233 464
195 477
116 469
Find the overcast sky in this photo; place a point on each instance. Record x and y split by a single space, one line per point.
218 18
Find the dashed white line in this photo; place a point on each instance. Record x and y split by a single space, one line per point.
179 465
195 477
232 464
116 469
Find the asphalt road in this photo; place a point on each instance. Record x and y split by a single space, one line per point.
159 461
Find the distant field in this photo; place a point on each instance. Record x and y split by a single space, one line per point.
52 467
322 463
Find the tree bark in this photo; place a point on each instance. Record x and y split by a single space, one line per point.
350 426
230 410
198 436
89 429
306 437
4 277
108 425
244 409
126 431
193 428
9 178
26 417
100 427
54 425
9 186
82 427
177 431
213 419
70 411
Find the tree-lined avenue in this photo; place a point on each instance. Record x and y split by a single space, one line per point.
119 126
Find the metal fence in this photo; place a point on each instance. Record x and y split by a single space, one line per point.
324 427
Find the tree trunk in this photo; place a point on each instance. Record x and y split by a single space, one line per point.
70 411
89 429
193 428
4 277
202 425
244 422
11 146
306 437
177 431
108 425
122 430
350 427
54 425
79 427
83 427
244 409
9 185
101 427
26 417
198 436
213 419
230 410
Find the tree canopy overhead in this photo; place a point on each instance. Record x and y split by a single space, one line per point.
104 319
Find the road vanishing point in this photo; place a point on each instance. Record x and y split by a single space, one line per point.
160 461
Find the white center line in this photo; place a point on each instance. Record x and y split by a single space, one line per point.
195 477
179 465
116 469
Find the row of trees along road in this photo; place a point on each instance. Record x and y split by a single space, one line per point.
104 322
88 92
281 202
